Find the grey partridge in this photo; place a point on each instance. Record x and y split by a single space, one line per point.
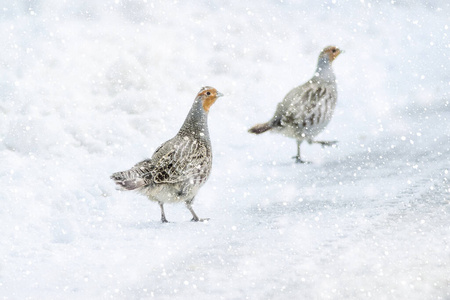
180 166
307 109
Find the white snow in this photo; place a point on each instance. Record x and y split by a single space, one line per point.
88 88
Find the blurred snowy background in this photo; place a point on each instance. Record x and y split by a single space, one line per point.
91 87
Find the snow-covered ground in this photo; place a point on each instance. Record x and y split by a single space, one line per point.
88 88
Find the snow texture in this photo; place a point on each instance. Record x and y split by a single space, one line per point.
91 87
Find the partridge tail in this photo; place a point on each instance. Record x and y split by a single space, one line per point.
128 180
260 128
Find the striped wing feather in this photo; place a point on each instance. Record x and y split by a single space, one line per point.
188 160
303 103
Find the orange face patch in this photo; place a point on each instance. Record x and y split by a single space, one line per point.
208 101
209 95
332 52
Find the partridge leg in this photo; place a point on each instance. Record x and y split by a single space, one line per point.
163 215
195 218
298 158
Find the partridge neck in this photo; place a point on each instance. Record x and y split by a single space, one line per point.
324 72
196 123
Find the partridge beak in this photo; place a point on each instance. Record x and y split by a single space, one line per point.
219 94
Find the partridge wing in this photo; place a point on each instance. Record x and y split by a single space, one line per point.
183 162
304 106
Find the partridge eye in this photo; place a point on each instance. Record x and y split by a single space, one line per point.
334 50
208 93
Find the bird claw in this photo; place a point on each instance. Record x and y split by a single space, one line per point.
199 220
326 143
298 160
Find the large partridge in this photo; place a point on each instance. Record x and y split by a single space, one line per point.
307 109
180 166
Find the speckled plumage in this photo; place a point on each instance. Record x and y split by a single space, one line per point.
180 166
307 109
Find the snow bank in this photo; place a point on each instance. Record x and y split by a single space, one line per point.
91 87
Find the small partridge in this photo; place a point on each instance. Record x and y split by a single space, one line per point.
307 109
180 166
